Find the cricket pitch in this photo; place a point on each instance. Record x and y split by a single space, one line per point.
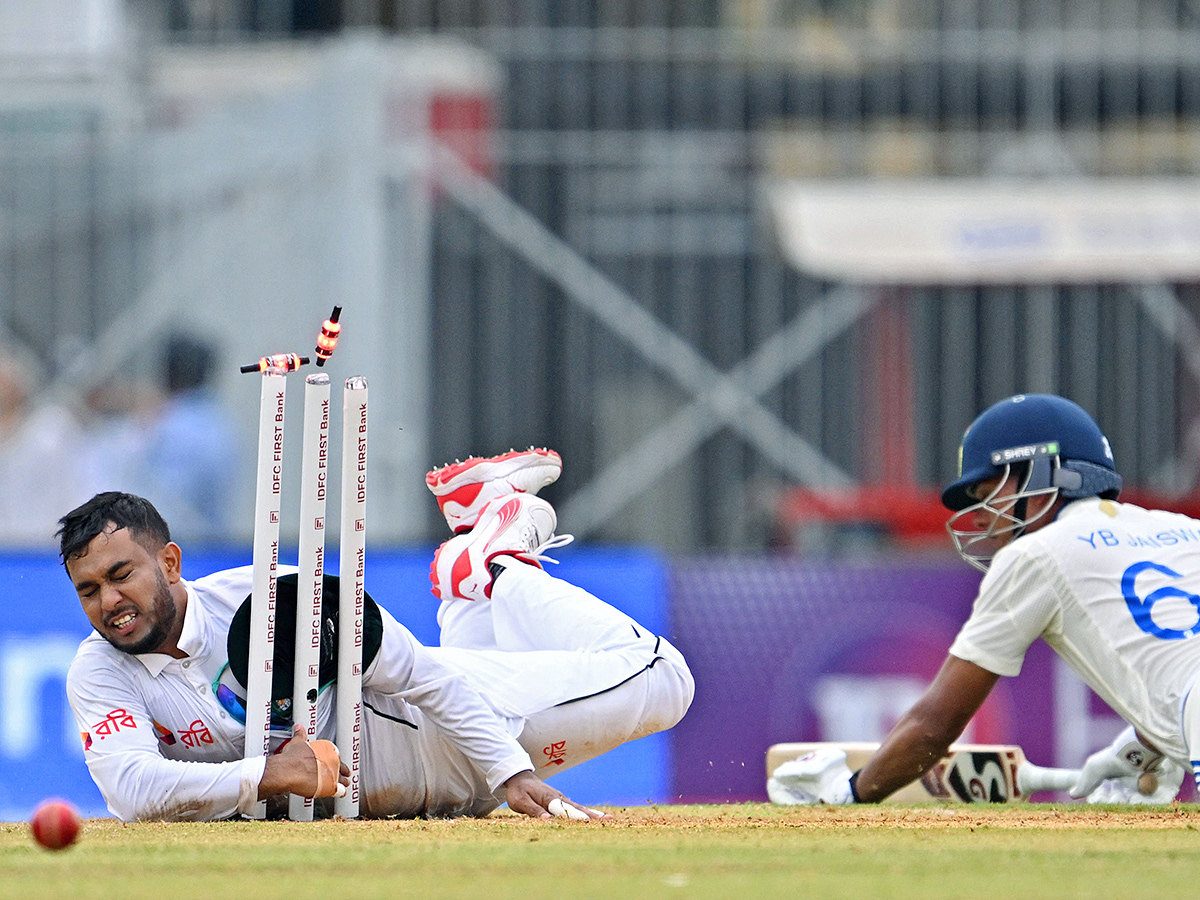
751 851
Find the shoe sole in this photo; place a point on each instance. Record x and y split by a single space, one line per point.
463 488
537 467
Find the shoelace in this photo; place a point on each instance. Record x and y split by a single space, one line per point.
551 543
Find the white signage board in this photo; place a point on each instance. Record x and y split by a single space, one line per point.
956 231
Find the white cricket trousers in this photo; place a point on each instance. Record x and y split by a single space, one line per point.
581 676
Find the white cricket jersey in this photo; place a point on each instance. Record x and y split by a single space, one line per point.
159 745
1114 589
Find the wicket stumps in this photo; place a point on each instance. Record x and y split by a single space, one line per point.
261 653
310 626
310 582
352 566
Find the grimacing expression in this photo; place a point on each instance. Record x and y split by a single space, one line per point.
124 592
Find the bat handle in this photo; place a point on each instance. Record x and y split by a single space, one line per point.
1031 778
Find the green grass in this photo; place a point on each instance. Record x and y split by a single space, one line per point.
747 851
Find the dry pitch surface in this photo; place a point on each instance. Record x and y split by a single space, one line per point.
751 850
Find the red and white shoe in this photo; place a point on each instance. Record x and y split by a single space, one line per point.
464 488
517 525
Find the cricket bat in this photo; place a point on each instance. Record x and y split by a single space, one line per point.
971 773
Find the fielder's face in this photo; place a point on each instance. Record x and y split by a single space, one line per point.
126 592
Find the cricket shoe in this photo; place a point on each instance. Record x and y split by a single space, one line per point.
464 488
514 526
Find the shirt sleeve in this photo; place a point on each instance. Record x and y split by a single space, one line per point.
121 751
405 668
1017 602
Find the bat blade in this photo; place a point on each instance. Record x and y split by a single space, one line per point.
977 773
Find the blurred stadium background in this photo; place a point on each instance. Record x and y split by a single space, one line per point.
750 265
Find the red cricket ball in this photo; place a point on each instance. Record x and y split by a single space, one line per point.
55 824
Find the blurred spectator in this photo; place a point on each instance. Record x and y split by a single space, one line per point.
39 459
117 419
189 466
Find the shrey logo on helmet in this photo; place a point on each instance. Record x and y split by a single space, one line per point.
1020 454
1049 444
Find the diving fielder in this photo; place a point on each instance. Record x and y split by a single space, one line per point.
534 675
1113 588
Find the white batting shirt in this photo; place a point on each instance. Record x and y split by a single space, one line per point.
1114 589
160 746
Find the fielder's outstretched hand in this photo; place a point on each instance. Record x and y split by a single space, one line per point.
308 768
526 793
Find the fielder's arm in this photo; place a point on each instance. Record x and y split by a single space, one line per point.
136 780
925 732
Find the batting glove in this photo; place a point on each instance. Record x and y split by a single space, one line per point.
821 776
1125 757
1167 780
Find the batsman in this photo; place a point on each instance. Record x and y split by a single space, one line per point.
1113 588
534 675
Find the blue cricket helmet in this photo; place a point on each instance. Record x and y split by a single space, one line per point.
1036 428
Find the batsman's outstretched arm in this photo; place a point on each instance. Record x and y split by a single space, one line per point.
926 731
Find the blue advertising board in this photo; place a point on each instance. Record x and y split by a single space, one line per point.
40 750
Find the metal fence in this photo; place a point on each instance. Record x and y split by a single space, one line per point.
621 296
645 149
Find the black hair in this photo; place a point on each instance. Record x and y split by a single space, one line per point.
187 362
78 527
